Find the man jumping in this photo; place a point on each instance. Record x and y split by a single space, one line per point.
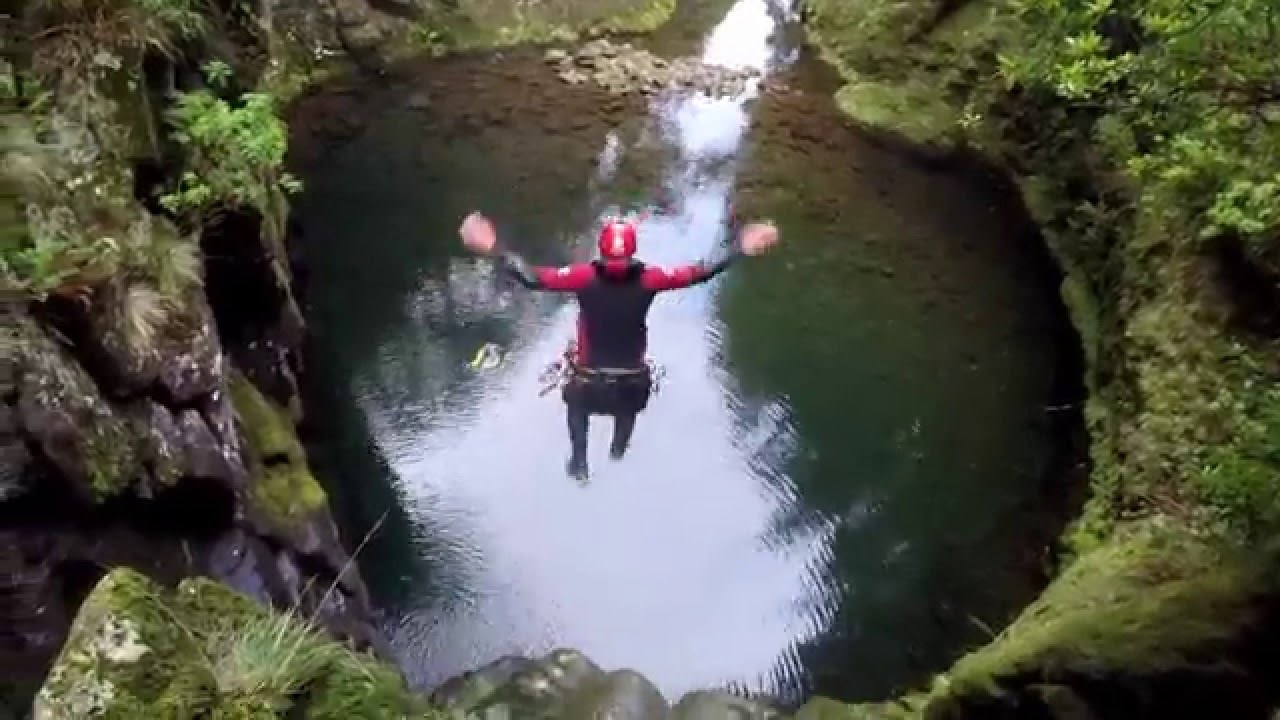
609 375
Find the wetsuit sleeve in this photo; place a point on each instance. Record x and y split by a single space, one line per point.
683 276
569 278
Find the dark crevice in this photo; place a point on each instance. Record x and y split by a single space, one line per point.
78 578
1253 293
276 459
198 509
239 278
149 178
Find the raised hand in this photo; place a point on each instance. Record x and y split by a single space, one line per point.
757 238
478 234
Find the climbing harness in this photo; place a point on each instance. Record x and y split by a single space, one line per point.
561 370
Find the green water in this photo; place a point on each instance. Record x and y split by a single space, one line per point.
849 474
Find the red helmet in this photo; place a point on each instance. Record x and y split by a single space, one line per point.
617 240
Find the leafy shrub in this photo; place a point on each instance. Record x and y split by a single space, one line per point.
1197 83
235 154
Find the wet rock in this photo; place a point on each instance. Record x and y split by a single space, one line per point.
92 445
573 76
469 691
358 29
564 683
182 446
710 705
137 337
418 101
191 361
567 684
624 694
203 454
350 13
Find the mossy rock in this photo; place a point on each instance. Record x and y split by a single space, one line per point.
1144 603
824 708
912 112
137 650
125 658
489 23
93 445
282 487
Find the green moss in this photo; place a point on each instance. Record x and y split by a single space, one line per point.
110 455
821 708
910 111
1145 602
358 688
85 436
641 18
491 23
124 658
138 651
283 487
1152 599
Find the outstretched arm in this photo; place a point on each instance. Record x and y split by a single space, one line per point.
754 240
683 276
568 278
480 237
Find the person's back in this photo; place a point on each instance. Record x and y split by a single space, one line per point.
613 314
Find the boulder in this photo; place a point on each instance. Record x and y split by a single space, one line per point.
562 684
138 338
137 650
711 705
94 447
181 445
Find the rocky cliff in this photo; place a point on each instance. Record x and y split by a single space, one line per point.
150 329
1135 137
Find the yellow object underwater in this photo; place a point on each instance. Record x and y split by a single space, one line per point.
487 357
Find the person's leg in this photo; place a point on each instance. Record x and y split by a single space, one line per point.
632 398
578 417
623 425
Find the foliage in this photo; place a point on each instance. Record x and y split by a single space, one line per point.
70 219
74 221
1178 104
1191 91
235 153
433 41
217 73
267 655
79 48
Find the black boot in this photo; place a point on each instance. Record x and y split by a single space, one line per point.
577 469
623 425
